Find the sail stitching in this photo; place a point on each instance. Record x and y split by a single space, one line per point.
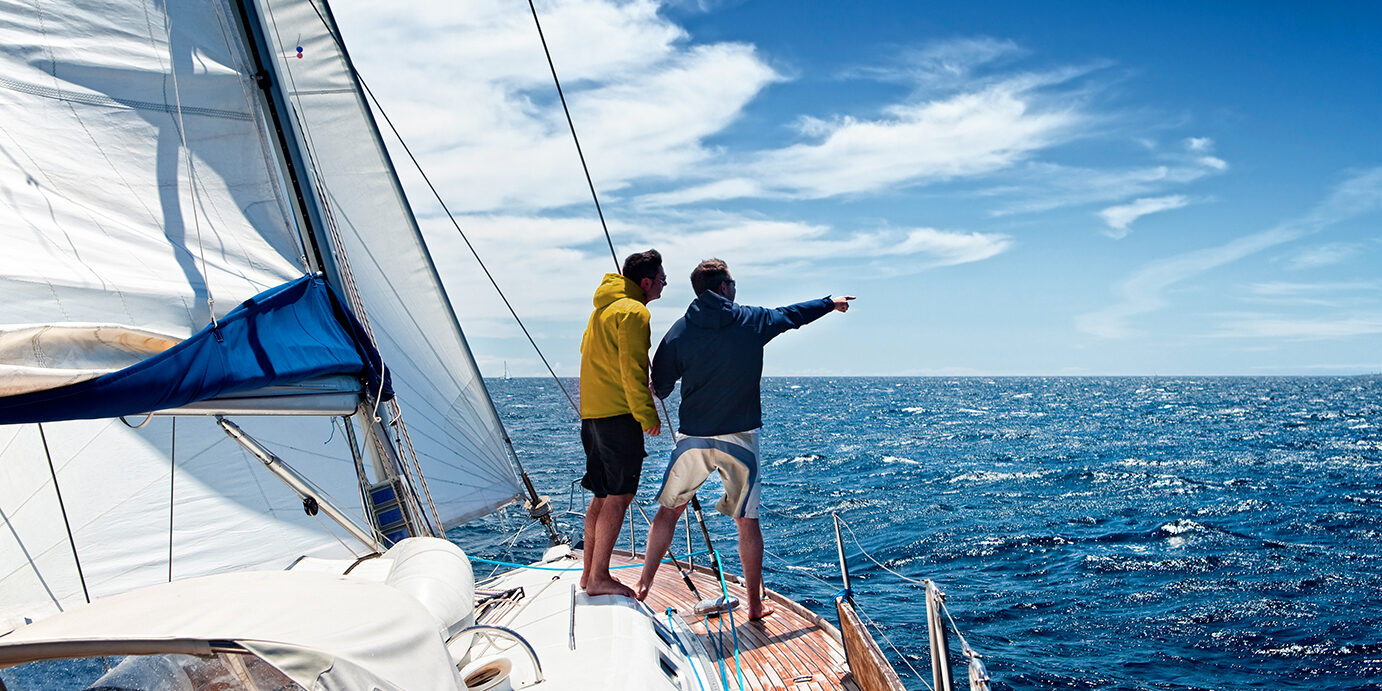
116 102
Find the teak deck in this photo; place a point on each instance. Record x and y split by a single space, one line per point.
793 649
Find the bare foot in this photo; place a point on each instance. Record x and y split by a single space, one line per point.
765 611
600 586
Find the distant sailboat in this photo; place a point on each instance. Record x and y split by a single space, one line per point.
237 411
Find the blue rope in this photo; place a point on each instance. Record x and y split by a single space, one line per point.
511 565
689 660
724 590
724 678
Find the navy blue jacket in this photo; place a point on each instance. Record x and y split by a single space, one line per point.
716 350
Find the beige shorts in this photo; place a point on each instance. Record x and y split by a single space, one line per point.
693 459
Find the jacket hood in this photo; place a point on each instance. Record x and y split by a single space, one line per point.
710 310
615 287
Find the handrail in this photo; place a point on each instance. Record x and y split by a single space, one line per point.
940 647
514 635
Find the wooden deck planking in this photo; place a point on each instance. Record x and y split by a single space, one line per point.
775 652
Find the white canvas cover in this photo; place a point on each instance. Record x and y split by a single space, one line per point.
330 632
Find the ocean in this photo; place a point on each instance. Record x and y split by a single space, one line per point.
1088 532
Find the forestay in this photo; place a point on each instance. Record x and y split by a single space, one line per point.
141 192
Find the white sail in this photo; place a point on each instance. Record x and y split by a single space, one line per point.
450 419
139 176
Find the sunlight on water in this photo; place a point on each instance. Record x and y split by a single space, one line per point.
1128 533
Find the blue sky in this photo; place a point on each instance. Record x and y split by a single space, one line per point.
1009 188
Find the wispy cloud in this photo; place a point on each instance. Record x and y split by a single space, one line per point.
550 263
1282 289
1043 186
965 135
945 64
1144 291
1271 327
1323 255
1120 217
643 96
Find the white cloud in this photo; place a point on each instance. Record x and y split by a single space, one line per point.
1283 289
551 265
1120 217
1296 329
1322 255
1199 144
969 134
474 96
1041 186
1144 291
944 64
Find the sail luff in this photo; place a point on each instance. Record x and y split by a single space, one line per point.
386 268
267 78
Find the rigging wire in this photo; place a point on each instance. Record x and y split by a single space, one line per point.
191 174
63 509
572 124
870 556
879 629
406 451
172 468
451 217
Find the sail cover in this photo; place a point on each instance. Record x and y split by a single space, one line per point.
141 186
288 334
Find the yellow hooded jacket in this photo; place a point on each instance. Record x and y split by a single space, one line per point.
614 354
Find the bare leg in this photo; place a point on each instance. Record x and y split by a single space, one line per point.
592 518
659 539
607 526
751 556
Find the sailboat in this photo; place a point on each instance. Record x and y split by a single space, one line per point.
237 410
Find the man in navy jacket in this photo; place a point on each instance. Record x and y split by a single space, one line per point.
716 350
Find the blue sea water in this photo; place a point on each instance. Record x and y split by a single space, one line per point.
1121 533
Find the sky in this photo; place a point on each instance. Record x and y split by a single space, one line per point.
1008 188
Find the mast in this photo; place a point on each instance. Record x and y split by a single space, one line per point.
538 506
267 79
315 237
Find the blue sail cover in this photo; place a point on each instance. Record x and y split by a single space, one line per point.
287 334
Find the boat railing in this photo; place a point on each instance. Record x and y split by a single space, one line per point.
937 614
870 666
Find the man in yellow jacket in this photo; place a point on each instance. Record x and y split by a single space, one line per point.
616 408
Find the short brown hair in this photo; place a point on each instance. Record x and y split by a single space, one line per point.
641 265
708 275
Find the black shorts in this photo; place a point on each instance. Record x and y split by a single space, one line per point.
613 455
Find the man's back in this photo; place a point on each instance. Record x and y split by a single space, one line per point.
716 350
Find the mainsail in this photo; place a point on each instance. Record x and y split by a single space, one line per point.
144 190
